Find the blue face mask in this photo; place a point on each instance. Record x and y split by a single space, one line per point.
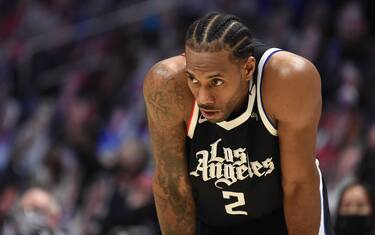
354 225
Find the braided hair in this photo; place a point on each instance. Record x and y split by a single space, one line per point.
214 32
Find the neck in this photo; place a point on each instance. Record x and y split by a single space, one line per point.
241 108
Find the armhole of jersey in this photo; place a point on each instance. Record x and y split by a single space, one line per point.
324 210
192 120
263 116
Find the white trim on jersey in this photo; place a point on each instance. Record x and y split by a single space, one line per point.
322 214
228 125
267 123
193 121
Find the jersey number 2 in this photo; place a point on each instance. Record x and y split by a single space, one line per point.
239 202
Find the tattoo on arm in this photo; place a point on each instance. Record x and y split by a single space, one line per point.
157 105
179 91
172 189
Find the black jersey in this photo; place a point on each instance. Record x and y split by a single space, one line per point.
234 167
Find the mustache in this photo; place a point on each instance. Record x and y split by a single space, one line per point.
207 107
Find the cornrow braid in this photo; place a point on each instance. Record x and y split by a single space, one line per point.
202 26
215 31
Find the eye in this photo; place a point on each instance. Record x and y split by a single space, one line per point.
192 79
217 82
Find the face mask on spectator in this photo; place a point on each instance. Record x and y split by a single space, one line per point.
31 222
354 224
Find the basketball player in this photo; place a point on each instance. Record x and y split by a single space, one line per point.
233 127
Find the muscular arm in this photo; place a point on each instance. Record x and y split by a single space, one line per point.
171 186
296 106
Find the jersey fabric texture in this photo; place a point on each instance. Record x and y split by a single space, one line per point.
234 167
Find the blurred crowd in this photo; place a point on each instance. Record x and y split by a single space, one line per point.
74 149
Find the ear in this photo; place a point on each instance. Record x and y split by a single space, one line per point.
249 68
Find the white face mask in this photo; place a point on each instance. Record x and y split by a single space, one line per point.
31 222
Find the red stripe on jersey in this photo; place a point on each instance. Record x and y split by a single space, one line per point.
191 117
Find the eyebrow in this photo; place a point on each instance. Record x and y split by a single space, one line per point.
210 76
215 75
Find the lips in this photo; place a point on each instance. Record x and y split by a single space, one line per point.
207 113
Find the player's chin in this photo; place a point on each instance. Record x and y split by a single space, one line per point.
218 117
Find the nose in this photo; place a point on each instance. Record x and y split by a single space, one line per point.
204 97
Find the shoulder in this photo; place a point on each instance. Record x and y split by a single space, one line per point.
292 85
165 88
287 66
166 70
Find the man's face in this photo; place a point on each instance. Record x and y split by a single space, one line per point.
218 84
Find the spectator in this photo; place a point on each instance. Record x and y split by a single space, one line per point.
131 206
37 212
355 212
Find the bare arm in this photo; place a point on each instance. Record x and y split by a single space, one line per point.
297 109
172 190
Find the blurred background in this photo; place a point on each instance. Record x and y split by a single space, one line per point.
73 128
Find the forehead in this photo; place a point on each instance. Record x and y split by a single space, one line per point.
355 194
218 61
